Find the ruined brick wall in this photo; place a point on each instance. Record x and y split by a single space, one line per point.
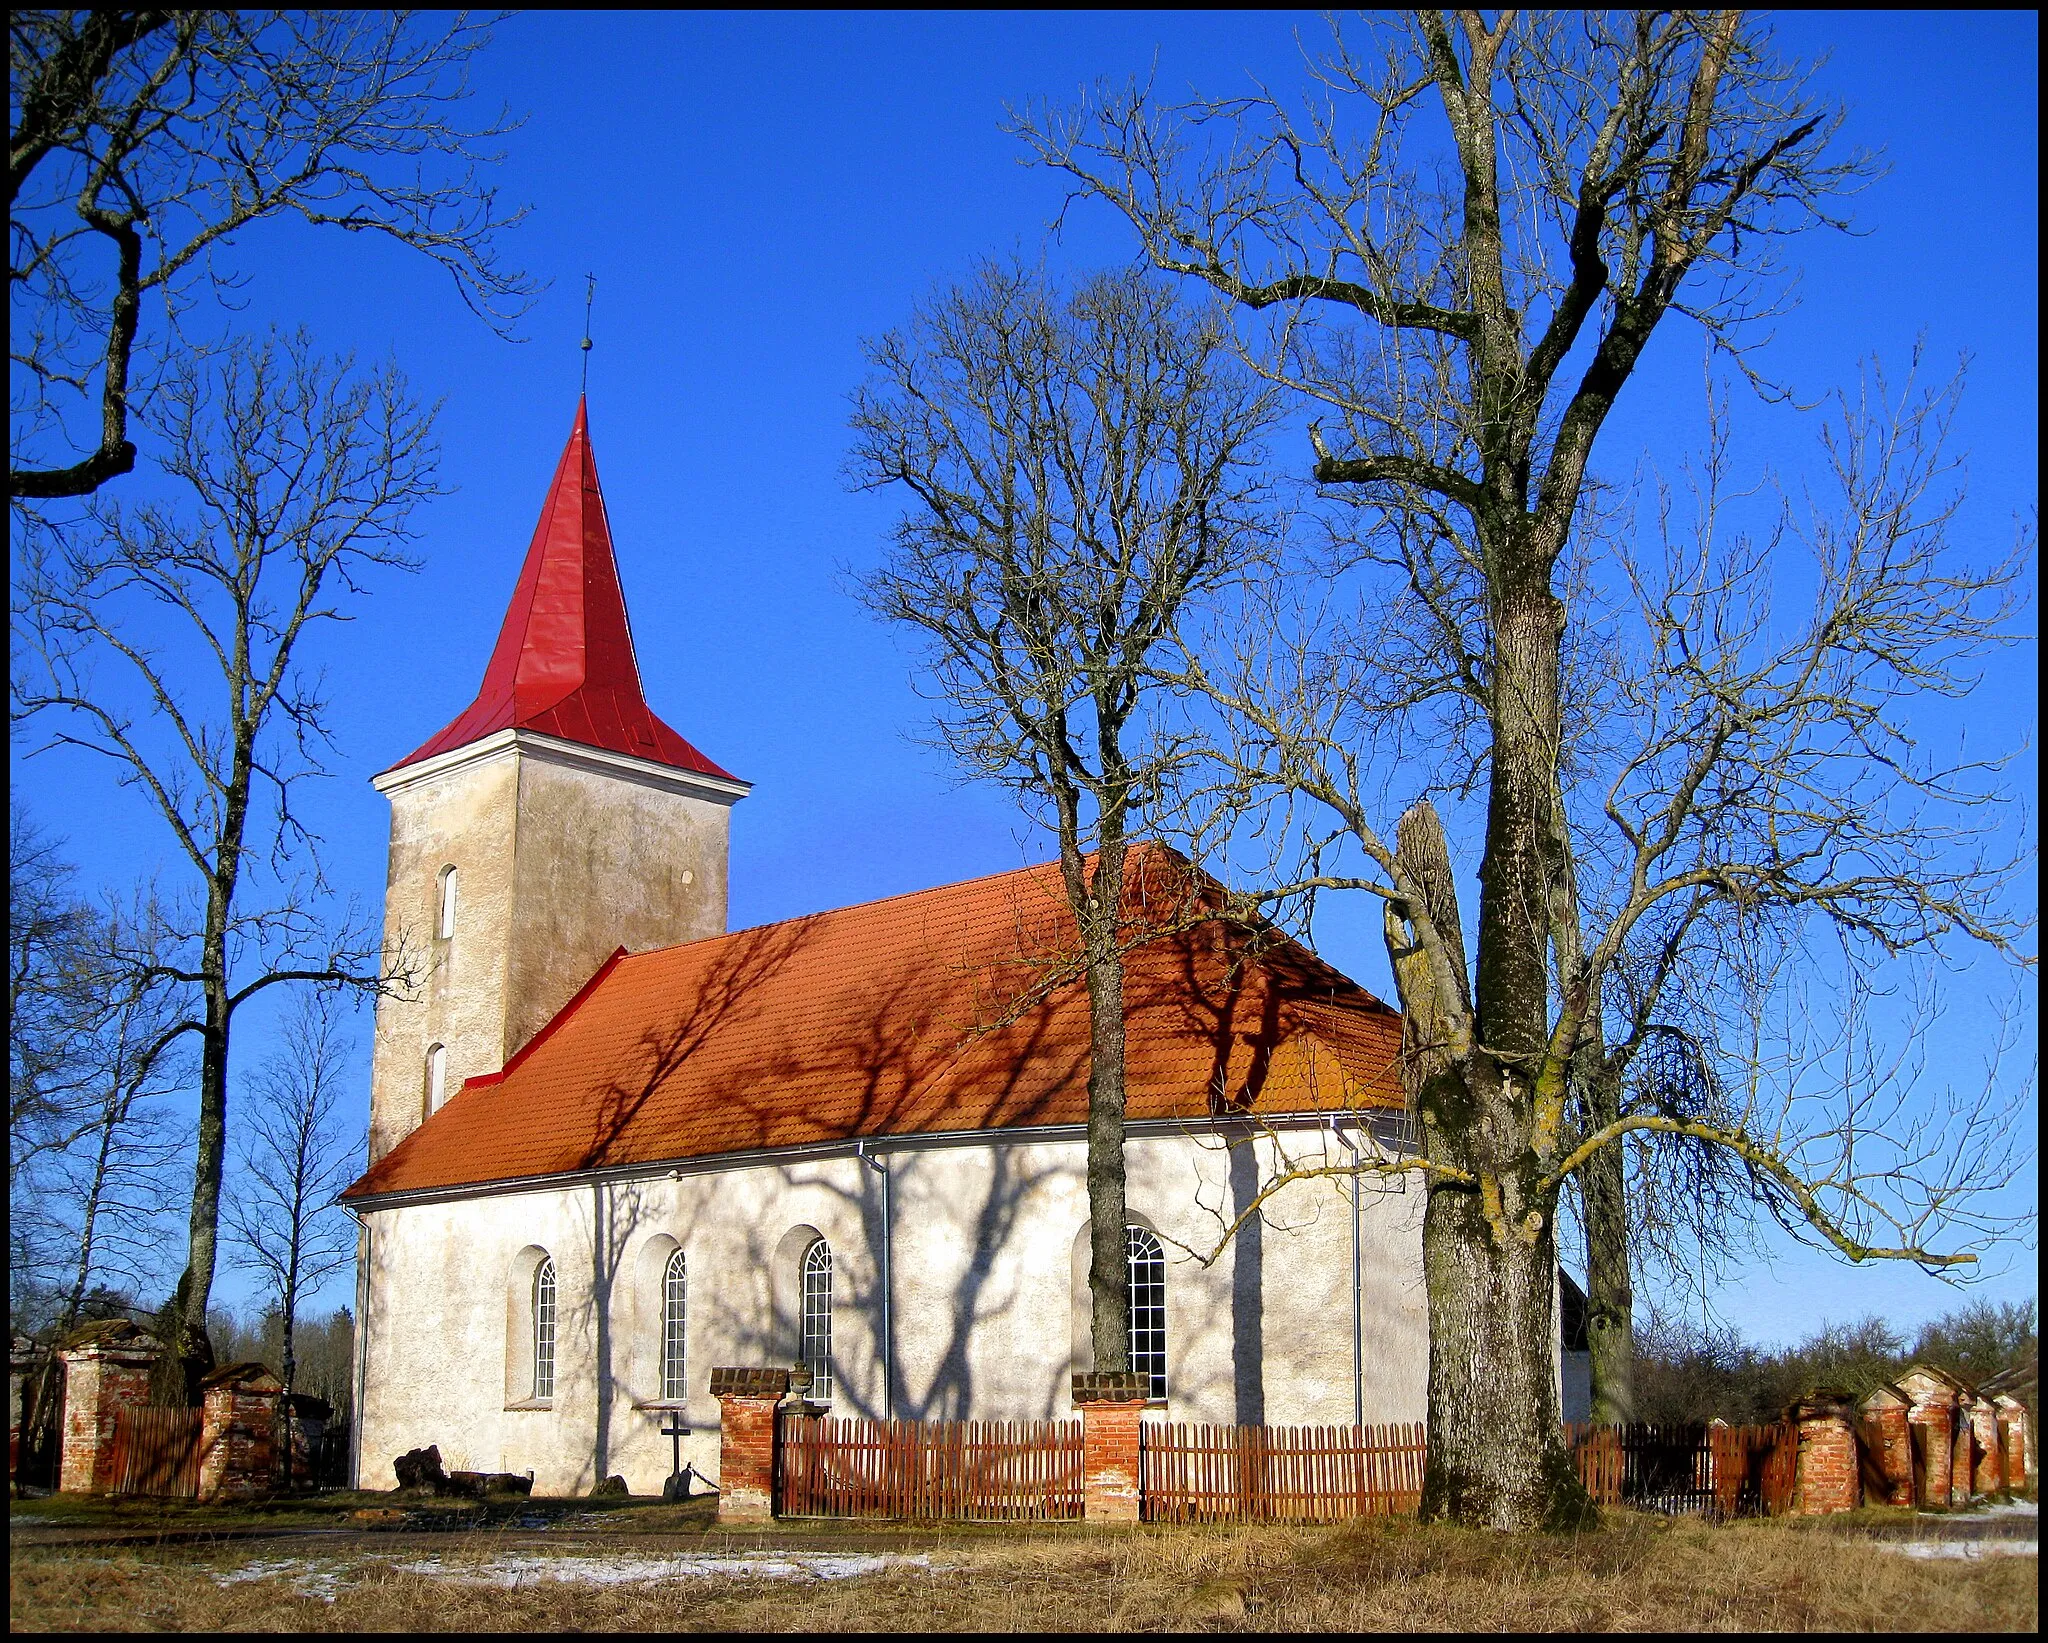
1830 1471
1888 1441
237 1443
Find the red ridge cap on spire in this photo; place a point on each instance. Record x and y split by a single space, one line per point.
563 664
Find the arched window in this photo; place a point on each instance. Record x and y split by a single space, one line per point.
544 1330
817 1320
437 1077
1148 1307
444 925
675 1294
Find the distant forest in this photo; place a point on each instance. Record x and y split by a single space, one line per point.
1686 1371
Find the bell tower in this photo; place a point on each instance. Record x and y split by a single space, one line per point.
553 822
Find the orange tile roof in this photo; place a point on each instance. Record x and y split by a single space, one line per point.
952 1009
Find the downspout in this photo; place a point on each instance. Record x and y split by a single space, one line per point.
1357 1293
868 1158
362 1346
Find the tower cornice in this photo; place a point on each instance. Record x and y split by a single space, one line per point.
511 743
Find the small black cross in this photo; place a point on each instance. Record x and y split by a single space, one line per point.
675 1432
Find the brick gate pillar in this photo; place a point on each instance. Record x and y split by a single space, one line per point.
1963 1456
1110 1403
237 1427
747 1401
1933 1422
106 1370
1890 1441
1989 1478
2013 1439
1828 1477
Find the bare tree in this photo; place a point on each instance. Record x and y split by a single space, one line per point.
1082 472
93 1153
55 996
1469 233
165 639
297 1152
141 143
109 1195
88 1150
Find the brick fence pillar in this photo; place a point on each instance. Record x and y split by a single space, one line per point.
1829 1479
1933 1421
1889 1441
1989 1478
747 1401
1963 1455
2013 1438
237 1427
1111 1403
106 1370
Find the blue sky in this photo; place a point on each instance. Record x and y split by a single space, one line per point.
757 192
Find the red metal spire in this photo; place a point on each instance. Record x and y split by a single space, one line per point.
563 664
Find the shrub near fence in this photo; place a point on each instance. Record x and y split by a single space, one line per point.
981 1471
1278 1474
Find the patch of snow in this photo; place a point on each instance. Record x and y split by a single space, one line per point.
1971 1549
2010 1508
309 1577
520 1569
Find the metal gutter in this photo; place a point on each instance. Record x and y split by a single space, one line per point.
1388 1128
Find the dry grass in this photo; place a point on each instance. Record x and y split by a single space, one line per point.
1635 1575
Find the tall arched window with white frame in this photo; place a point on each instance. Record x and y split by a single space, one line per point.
544 1330
817 1319
444 921
675 1296
437 1077
1148 1308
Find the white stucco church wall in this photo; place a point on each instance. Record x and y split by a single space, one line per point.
988 1310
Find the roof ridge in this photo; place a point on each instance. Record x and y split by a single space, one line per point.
1133 848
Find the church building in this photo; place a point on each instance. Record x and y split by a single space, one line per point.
614 1145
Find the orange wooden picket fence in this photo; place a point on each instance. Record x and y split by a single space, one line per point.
1031 1471
1277 1474
156 1452
981 1471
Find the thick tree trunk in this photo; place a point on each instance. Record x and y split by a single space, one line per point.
1610 1311
1108 1218
1496 1455
195 1288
